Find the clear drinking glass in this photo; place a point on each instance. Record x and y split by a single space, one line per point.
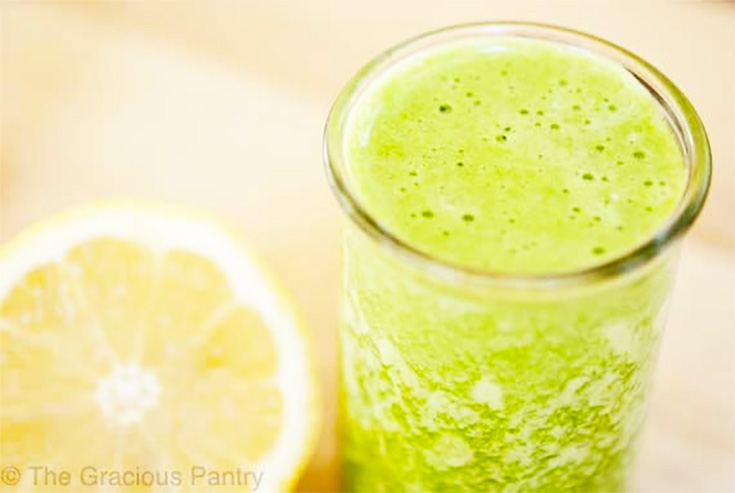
554 396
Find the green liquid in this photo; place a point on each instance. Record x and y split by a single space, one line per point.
512 156
516 156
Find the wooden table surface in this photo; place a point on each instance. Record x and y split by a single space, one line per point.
221 105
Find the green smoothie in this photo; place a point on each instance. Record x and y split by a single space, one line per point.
515 156
508 156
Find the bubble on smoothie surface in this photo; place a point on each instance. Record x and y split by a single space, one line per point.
531 139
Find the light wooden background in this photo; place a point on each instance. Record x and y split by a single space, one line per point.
221 105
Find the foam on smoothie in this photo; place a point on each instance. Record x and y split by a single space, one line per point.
514 155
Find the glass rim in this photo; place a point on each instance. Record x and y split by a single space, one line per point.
681 115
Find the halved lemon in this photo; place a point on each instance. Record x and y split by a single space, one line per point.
140 344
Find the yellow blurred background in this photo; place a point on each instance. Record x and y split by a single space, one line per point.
221 105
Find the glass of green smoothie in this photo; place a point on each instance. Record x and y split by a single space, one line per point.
513 197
